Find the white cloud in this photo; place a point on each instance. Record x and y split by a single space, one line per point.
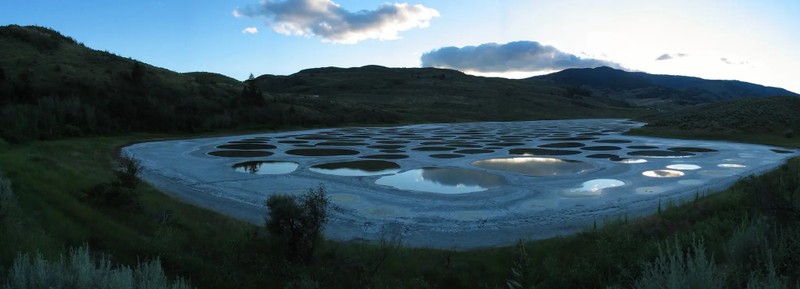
667 56
332 23
250 30
518 56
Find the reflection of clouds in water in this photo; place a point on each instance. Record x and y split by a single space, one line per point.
593 188
535 166
683 167
662 174
461 177
731 166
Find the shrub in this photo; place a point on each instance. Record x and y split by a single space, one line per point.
296 222
521 270
674 268
746 245
114 196
127 172
78 270
9 209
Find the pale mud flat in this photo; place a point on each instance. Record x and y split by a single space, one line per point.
454 186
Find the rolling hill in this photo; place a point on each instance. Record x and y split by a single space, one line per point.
52 86
665 92
431 94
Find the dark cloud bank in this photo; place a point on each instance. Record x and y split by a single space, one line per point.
512 56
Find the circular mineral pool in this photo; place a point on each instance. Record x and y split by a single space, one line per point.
601 148
442 180
660 154
357 168
505 144
386 157
464 145
642 147
605 156
341 143
386 147
731 166
542 152
683 167
692 150
662 174
246 146
592 188
632 161
433 149
393 141
446 156
321 152
612 141
474 151
535 166
571 138
266 167
562 145
240 154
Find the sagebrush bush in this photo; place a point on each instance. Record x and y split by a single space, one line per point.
9 209
296 223
78 270
127 172
745 247
676 269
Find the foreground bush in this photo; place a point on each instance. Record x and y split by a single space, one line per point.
78 270
296 222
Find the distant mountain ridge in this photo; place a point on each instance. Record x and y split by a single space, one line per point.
644 89
442 95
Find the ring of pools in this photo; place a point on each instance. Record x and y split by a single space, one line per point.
454 186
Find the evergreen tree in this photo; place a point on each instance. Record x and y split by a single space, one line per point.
251 94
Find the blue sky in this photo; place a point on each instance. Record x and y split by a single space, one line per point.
753 41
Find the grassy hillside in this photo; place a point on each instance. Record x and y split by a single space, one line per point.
774 120
430 94
51 87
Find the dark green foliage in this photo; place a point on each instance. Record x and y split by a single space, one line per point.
9 208
137 72
676 268
771 114
662 92
296 223
120 193
97 93
128 170
251 93
78 270
521 270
